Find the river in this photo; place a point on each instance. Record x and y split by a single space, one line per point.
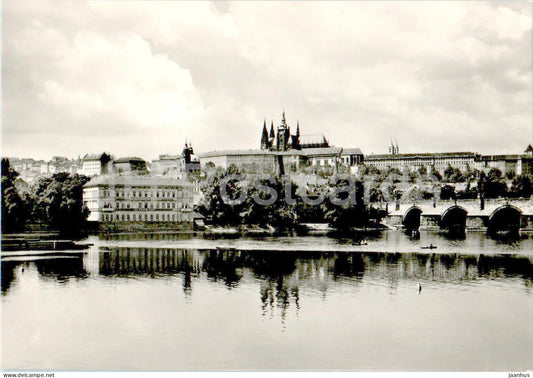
168 302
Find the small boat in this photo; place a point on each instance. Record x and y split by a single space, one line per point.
431 246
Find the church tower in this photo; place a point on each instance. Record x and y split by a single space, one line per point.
283 135
265 145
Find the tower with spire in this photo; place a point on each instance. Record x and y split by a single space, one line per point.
282 140
393 148
265 143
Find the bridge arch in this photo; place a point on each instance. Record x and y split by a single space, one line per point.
506 217
411 218
454 218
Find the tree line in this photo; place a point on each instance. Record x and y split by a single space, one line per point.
283 214
53 203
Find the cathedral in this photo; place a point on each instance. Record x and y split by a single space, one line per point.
283 140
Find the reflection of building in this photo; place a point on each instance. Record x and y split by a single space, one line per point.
95 164
296 150
138 199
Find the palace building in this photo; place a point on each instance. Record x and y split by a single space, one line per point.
280 144
519 163
141 199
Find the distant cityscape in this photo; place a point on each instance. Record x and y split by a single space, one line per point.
167 189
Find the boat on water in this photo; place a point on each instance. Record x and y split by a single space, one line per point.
431 246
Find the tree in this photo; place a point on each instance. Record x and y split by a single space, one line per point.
521 187
59 202
447 192
213 205
14 209
492 185
434 173
376 195
345 216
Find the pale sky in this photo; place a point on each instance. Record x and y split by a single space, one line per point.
137 78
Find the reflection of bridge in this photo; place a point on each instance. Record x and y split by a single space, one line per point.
463 214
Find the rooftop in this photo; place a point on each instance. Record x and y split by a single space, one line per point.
146 180
129 159
422 155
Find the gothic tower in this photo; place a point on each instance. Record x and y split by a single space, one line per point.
265 145
283 134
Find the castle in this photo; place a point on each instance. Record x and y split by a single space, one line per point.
283 140
281 145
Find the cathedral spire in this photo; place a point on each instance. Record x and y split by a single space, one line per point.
272 134
283 120
264 137
298 129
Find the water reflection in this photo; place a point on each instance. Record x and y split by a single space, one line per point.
281 273
56 268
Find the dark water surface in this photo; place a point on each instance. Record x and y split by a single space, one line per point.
165 302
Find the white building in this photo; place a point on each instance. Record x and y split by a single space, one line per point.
95 164
410 162
144 199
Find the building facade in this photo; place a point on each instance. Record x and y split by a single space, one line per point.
281 146
187 162
141 199
95 164
518 164
129 165
411 162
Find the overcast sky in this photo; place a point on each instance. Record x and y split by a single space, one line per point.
137 78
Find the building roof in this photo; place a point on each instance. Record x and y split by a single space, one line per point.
529 148
169 157
235 153
317 151
312 139
145 180
421 155
500 157
92 157
129 159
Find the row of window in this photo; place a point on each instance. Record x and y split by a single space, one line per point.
143 217
147 193
147 205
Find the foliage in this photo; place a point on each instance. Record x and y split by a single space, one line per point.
342 217
14 209
213 205
436 174
521 187
413 176
453 174
58 202
376 195
492 185
447 192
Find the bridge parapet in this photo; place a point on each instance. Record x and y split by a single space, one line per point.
471 206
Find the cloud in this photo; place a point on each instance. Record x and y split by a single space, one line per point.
139 77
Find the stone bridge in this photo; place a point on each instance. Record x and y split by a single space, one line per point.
460 215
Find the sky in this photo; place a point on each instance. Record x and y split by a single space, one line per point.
139 78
